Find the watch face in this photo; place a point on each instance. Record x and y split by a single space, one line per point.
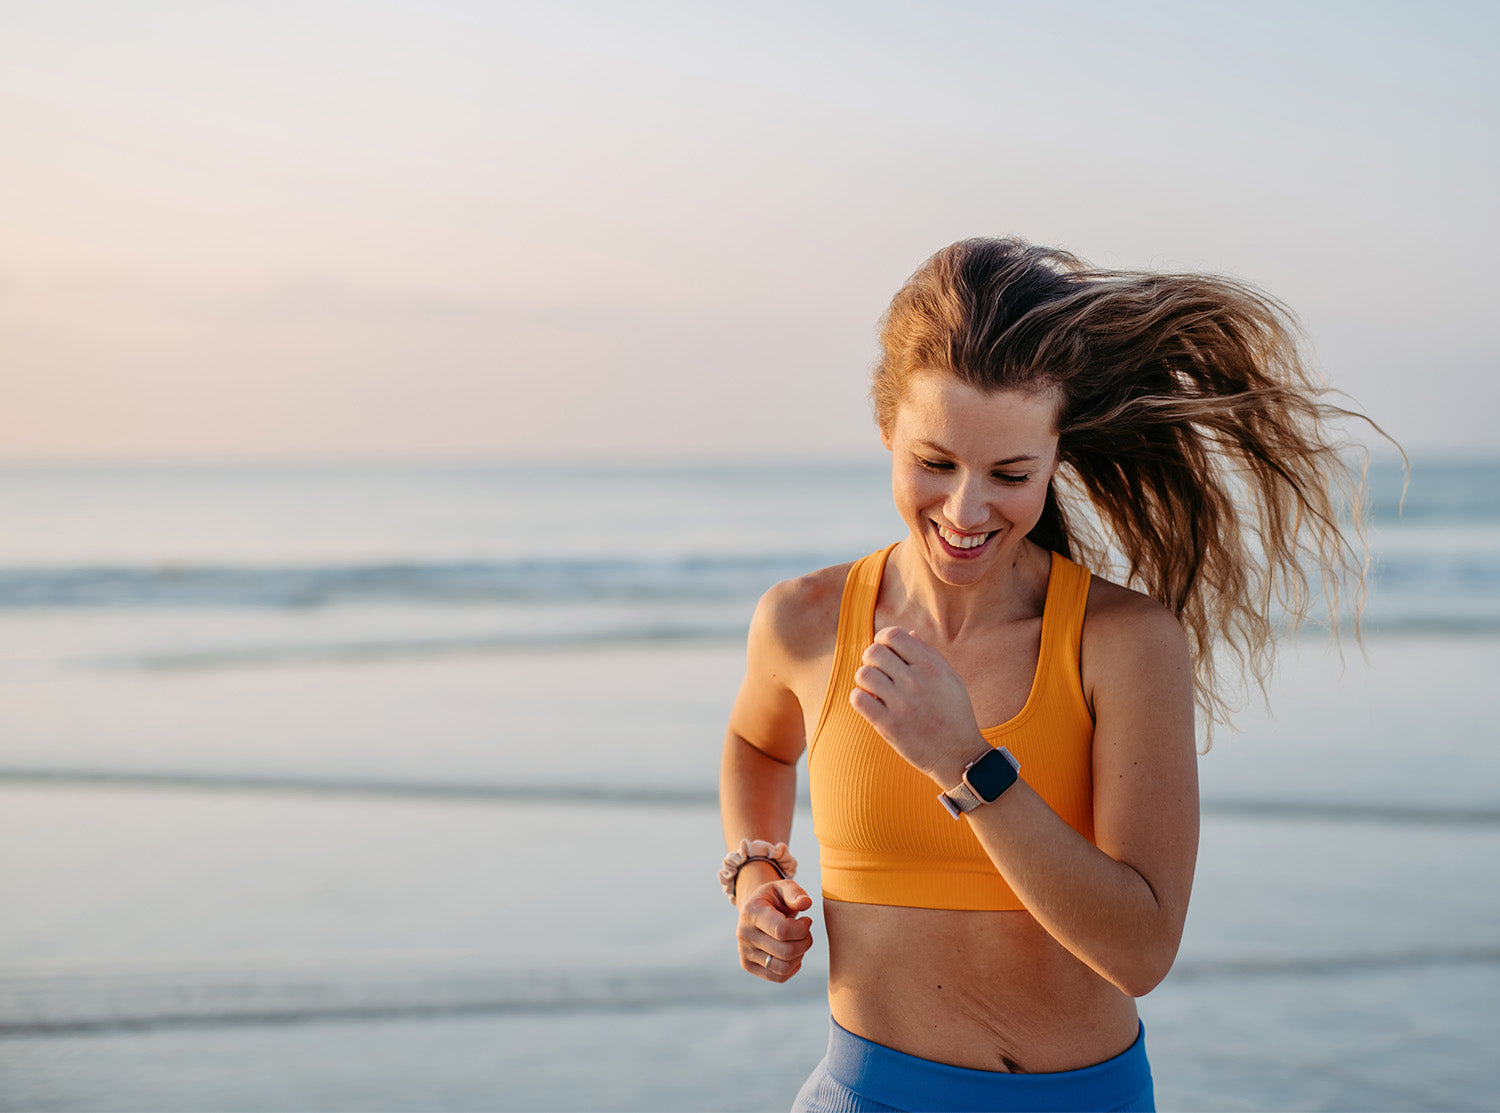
991 775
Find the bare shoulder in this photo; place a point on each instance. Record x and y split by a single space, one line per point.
1129 639
797 619
792 639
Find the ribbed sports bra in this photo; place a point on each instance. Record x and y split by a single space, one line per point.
883 836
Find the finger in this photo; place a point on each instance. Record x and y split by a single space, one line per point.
891 648
777 901
905 644
757 944
756 947
876 681
773 971
779 971
869 708
778 925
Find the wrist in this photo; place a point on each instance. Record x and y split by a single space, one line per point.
752 876
773 857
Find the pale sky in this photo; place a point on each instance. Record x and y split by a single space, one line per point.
592 230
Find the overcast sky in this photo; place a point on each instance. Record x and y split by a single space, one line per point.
590 230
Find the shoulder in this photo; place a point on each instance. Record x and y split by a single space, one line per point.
798 618
792 639
1116 613
1129 639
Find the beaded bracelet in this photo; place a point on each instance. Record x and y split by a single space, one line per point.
775 855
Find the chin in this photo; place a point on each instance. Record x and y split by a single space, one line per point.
959 569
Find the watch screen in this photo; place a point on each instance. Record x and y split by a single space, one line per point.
991 775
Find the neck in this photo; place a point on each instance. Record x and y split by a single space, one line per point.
1015 589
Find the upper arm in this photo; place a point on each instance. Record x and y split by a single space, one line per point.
1138 671
791 634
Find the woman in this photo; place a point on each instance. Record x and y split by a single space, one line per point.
989 929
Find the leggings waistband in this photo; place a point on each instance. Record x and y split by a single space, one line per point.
889 1077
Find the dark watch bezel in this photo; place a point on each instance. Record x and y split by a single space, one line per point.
992 774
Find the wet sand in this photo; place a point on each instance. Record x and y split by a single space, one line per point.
232 945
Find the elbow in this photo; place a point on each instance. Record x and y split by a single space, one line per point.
1138 973
1143 953
1138 983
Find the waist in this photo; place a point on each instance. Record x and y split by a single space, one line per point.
888 1077
988 991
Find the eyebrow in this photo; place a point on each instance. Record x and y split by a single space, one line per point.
941 451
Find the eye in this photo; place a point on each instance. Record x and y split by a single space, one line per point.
1012 479
934 465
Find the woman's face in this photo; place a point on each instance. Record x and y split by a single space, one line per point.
970 471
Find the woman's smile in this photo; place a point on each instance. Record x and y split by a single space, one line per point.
963 546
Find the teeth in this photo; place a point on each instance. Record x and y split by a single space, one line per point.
960 541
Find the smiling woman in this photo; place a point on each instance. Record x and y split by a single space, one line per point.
957 498
996 896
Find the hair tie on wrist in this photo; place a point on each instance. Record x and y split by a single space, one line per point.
775 855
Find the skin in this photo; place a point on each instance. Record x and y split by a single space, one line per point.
1050 988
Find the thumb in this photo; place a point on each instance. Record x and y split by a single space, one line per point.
791 896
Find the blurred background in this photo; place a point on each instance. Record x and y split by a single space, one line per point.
402 407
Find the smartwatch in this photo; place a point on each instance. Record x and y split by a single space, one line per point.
983 782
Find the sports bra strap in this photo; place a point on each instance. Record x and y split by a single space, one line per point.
856 627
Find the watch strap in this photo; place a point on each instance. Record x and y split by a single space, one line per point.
960 799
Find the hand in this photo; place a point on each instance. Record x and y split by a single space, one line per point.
917 703
770 928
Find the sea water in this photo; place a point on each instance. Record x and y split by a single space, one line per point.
393 786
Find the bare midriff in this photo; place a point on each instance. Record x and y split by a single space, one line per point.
982 990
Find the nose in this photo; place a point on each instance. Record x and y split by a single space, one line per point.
966 507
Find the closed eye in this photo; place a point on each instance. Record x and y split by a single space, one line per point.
934 465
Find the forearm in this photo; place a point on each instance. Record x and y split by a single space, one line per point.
757 794
1102 910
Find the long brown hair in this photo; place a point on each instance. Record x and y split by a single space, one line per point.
1201 456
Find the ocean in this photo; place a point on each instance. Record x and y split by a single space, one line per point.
393 786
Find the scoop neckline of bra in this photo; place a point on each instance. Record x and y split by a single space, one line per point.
1049 620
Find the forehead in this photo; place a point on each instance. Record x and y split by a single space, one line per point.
942 409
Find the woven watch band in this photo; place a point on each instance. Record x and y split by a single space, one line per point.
959 799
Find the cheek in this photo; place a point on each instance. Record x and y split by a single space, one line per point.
904 483
916 489
1026 504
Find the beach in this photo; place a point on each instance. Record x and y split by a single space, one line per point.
385 808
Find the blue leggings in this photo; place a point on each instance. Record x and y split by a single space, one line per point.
857 1076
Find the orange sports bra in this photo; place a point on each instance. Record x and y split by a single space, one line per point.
883 836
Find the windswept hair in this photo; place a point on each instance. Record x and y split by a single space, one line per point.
1189 422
